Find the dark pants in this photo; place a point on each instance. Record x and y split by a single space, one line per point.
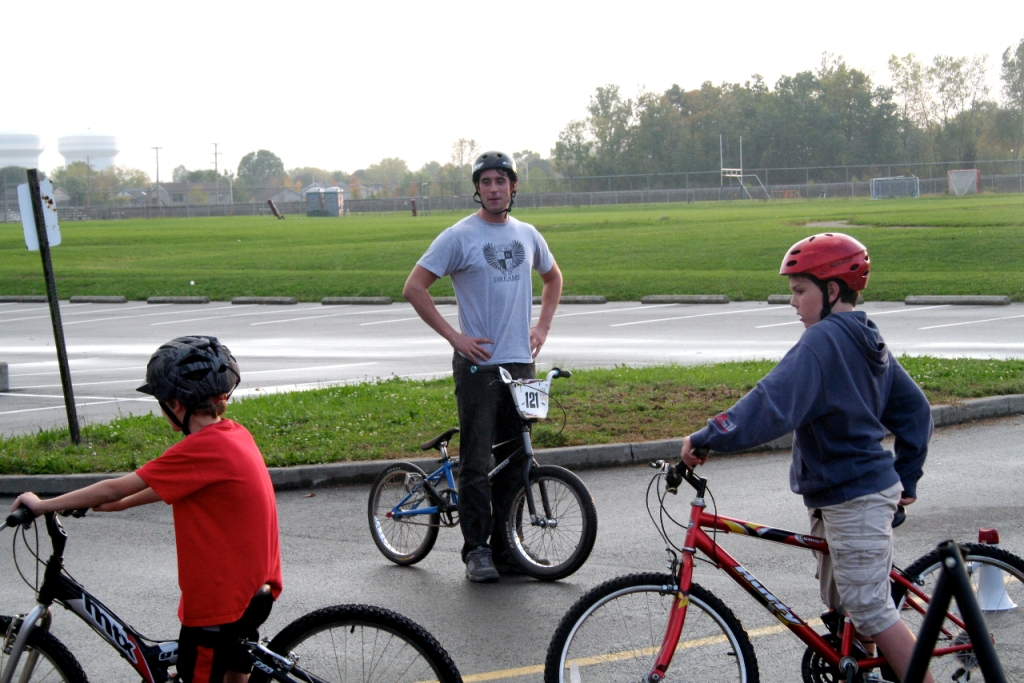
487 416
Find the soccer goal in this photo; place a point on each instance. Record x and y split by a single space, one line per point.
967 181
898 186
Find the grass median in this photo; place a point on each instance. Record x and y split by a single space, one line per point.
389 419
933 245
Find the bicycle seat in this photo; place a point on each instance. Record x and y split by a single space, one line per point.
258 610
436 441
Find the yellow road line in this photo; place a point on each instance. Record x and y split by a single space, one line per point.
626 654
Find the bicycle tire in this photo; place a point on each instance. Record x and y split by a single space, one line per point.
614 632
349 643
988 567
551 553
407 540
54 663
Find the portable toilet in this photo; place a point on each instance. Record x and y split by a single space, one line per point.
327 201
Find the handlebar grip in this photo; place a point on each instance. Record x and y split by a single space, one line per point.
701 451
20 516
559 372
674 477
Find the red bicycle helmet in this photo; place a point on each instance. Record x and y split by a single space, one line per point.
829 256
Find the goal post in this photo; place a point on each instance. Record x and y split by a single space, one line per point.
898 186
964 182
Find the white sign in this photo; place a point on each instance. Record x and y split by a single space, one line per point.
28 220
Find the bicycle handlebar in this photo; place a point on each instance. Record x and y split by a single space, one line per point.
23 516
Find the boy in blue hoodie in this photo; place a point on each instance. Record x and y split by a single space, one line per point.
839 388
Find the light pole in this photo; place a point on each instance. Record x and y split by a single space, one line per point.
157 149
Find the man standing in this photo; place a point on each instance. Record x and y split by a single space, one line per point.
489 256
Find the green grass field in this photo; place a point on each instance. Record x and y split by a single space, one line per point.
390 419
934 245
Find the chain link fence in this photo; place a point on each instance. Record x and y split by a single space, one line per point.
772 183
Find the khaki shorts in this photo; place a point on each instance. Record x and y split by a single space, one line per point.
854 577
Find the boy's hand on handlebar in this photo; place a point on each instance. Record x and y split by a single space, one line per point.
690 459
905 501
30 501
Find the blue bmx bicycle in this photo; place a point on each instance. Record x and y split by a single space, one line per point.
548 517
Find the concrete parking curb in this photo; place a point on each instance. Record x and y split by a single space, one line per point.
24 299
5 380
178 300
356 300
786 298
445 301
98 300
685 299
265 300
573 457
958 300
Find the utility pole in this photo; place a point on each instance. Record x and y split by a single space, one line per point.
157 149
216 173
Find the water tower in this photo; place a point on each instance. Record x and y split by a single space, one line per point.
96 149
19 149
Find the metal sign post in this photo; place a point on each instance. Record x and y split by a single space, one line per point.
51 294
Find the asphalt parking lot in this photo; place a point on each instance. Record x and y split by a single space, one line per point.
284 348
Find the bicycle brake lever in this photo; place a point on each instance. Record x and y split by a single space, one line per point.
77 513
673 478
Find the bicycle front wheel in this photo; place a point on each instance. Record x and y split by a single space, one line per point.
45 659
562 543
353 643
408 539
613 633
997 578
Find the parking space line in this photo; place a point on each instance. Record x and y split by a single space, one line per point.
971 322
402 320
915 309
685 317
317 317
12 394
134 380
222 317
77 372
791 322
169 311
60 407
313 367
614 310
64 308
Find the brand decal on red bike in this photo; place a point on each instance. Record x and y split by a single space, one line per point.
723 423
781 611
105 623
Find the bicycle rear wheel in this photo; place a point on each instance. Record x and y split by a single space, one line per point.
613 634
48 658
349 643
403 540
998 581
556 551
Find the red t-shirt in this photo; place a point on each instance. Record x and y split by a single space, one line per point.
225 521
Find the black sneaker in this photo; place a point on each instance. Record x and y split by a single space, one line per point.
480 566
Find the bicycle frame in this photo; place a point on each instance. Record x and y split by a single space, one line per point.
697 539
444 472
150 659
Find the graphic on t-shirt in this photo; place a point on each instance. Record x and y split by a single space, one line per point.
505 257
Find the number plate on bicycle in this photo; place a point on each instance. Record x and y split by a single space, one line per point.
531 398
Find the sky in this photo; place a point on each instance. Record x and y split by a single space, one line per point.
342 85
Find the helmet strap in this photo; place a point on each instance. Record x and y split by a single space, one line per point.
174 418
503 213
826 302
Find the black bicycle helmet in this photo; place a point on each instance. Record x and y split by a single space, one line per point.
494 159
190 370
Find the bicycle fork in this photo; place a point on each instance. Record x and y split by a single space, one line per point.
547 521
39 617
682 569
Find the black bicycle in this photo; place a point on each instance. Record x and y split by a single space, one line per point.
339 643
549 517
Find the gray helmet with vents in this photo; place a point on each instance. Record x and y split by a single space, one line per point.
190 370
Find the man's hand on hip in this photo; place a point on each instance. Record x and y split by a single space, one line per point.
472 347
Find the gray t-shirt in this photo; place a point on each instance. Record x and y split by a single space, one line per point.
490 264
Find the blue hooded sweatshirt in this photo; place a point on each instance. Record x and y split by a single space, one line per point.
839 388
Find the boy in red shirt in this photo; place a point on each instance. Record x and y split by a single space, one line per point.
225 514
